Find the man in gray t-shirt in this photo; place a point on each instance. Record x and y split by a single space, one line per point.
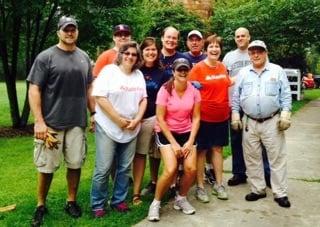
234 61
59 87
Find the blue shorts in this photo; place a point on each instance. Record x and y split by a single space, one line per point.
213 134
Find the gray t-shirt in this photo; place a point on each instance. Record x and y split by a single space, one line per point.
236 60
63 77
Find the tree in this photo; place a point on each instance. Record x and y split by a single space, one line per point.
27 27
288 27
24 27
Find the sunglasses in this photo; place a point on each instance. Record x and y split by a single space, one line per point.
127 53
72 30
182 69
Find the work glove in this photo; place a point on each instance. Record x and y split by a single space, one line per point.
51 141
196 84
236 123
284 121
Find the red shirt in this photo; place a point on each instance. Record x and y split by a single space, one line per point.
106 58
215 82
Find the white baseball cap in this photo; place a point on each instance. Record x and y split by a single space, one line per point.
257 43
195 32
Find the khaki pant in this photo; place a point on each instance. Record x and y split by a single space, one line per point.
255 133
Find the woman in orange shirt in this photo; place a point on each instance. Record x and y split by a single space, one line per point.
213 133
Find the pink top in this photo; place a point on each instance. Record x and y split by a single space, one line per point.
178 109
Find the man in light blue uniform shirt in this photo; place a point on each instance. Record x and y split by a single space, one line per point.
262 91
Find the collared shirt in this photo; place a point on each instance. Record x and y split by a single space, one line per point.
261 95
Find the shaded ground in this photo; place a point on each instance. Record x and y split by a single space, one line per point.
14 132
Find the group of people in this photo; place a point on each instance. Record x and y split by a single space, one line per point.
168 105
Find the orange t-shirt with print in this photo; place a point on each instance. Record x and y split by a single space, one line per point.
215 82
106 58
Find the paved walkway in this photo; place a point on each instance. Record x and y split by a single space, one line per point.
303 143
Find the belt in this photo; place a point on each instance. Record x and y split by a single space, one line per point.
260 120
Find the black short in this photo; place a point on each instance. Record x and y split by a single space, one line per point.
181 139
212 134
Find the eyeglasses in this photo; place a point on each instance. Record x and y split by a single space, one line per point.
127 53
122 34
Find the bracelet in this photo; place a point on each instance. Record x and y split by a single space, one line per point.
92 113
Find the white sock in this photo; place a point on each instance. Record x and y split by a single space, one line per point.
156 202
179 197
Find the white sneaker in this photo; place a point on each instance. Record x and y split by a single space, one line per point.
184 205
201 195
220 192
154 212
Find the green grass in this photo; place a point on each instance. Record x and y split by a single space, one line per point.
18 179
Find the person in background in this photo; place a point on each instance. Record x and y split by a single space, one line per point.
121 35
262 91
154 76
195 44
213 134
169 53
120 94
59 83
169 39
178 117
234 61
195 54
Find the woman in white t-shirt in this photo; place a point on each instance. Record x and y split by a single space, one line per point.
120 94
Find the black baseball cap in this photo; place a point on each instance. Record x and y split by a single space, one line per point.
64 21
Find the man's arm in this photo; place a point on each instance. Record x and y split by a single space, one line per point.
40 127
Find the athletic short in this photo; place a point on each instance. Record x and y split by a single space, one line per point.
212 134
145 136
154 151
181 139
73 146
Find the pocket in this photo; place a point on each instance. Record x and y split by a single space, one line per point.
39 153
247 88
272 88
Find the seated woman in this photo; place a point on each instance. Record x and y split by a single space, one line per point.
178 117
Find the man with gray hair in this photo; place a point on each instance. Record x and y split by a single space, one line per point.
262 91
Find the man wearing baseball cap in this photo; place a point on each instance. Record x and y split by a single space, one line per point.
195 45
121 35
262 91
59 83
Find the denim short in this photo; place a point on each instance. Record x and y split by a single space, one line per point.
212 134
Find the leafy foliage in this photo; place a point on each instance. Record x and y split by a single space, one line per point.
287 26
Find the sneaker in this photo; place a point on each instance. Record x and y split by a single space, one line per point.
120 207
150 189
220 192
201 195
209 176
184 205
154 212
38 216
73 209
99 213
